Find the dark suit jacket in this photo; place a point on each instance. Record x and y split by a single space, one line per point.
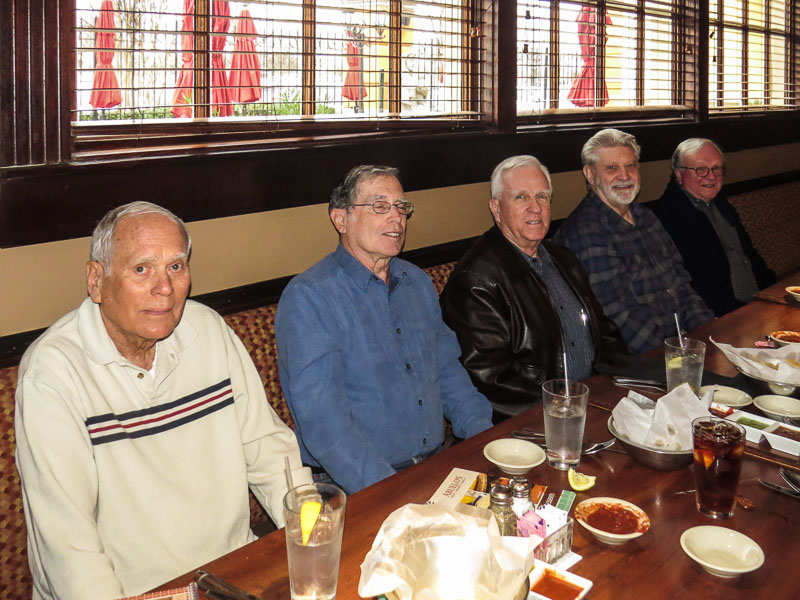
510 335
701 250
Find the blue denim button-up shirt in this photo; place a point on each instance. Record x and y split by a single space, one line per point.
370 369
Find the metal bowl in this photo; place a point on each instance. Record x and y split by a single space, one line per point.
764 386
661 460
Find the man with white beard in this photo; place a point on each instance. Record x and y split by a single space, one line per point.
634 268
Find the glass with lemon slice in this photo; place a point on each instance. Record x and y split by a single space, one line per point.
684 362
314 516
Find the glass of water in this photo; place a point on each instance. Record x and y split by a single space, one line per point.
684 363
314 565
564 418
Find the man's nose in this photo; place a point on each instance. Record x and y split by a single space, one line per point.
163 284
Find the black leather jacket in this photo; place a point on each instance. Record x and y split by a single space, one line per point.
510 335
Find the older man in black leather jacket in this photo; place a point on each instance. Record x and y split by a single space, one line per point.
519 304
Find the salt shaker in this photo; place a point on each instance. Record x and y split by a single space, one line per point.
501 499
521 490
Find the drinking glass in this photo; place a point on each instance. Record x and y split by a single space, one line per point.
564 419
684 363
718 449
314 567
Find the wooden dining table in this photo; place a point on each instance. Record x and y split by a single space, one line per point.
651 566
778 293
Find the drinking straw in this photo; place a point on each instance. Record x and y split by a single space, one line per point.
678 327
566 376
289 473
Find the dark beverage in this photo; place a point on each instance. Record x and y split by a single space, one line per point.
718 449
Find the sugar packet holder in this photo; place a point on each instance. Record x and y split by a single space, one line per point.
190 592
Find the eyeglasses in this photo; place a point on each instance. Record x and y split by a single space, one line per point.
703 171
381 207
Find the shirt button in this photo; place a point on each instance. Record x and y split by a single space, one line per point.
420 401
408 366
424 440
398 330
573 343
140 375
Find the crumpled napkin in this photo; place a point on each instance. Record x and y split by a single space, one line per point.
769 364
664 425
433 552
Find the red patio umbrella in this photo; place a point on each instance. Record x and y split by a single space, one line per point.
245 77
220 94
353 88
184 85
582 93
105 87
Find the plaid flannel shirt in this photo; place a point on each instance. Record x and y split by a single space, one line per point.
635 271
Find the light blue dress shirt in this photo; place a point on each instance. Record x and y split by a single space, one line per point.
370 369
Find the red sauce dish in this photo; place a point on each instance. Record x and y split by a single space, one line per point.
612 520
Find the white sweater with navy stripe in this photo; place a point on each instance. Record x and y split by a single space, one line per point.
129 479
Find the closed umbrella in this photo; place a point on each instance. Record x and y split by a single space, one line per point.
105 87
583 90
184 85
353 88
245 75
220 94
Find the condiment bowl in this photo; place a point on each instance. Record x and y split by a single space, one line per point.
545 575
728 396
785 338
776 407
513 456
721 551
794 291
584 511
661 460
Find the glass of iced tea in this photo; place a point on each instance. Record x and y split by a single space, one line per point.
718 450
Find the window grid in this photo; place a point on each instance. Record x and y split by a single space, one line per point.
281 61
753 56
602 56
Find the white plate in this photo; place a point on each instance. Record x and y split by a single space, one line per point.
721 551
584 509
755 435
776 407
727 395
513 456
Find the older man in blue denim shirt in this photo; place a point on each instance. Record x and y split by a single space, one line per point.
367 365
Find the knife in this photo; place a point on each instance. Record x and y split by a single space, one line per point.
219 589
779 488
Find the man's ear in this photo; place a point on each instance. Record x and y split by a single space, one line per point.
678 176
94 280
339 219
588 172
494 208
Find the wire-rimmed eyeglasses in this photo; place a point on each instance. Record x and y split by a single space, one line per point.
381 207
718 171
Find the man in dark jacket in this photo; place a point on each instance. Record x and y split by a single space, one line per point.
726 269
518 303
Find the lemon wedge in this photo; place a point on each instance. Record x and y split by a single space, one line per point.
674 362
578 481
309 513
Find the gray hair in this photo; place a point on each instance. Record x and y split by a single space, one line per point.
514 162
102 247
346 193
690 146
607 138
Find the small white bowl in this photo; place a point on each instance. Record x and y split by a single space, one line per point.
540 570
776 407
794 290
779 337
587 507
721 551
727 395
513 456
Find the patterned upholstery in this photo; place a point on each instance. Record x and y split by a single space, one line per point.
15 577
440 274
772 219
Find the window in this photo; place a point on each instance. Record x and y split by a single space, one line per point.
753 62
603 56
219 61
